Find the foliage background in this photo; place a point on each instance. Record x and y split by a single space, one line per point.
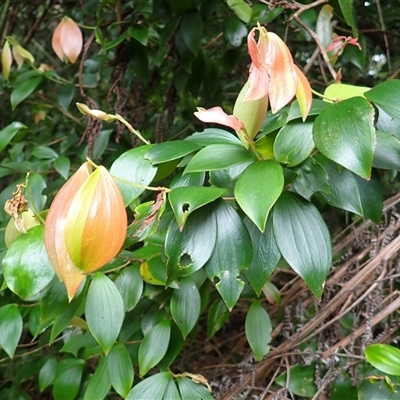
153 62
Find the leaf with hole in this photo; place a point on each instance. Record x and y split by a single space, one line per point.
185 200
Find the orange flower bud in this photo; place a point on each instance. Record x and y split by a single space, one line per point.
67 40
54 232
96 223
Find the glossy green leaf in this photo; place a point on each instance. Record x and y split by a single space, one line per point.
10 328
266 255
115 42
176 344
168 151
151 388
213 136
171 391
316 107
217 317
192 390
258 188
36 186
99 384
219 156
68 379
104 311
188 250
23 90
258 329
7 134
61 165
387 95
301 380
154 346
342 91
303 239
47 373
275 121
377 390
120 369
185 200
100 143
294 143
26 266
132 167
185 305
310 178
384 357
350 192
234 31
140 33
386 123
332 138
77 341
346 7
44 152
387 151
227 260
130 285
53 300
242 10
193 179
323 26
191 30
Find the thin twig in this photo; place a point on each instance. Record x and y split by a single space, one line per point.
385 38
36 25
3 18
307 7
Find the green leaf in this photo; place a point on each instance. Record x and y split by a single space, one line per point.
343 388
294 143
167 151
140 33
7 134
23 90
154 346
346 7
65 95
303 239
301 380
114 43
36 185
387 151
342 91
377 390
44 152
151 388
219 156
176 344
26 266
324 27
350 192
47 373
192 390
242 10
77 341
275 121
258 188
10 328
171 392
213 136
61 165
193 179
120 369
227 260
99 384
332 138
310 178
185 305
234 31
100 143
132 167
191 30
185 200
54 300
316 107
188 250
384 357
217 317
130 285
266 255
387 96
258 330
104 311
67 382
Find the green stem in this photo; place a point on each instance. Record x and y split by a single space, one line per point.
4 14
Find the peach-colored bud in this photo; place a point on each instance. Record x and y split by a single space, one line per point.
55 228
6 59
96 223
67 40
218 116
